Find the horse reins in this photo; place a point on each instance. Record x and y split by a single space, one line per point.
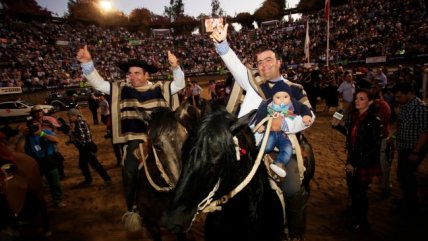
207 205
165 177
159 165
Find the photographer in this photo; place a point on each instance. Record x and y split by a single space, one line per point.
40 144
53 124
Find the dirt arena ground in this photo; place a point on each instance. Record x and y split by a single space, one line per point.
94 214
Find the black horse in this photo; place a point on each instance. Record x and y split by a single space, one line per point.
255 213
162 167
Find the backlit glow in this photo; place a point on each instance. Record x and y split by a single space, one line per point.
105 5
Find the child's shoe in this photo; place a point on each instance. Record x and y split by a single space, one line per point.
280 171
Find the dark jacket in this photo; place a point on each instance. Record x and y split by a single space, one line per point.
366 149
93 104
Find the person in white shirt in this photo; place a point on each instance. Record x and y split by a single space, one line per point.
346 91
127 96
269 65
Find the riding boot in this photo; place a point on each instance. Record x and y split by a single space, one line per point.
295 207
130 174
129 182
117 148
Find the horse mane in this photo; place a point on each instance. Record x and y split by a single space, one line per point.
212 157
162 119
188 116
214 144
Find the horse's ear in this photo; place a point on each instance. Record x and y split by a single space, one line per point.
242 122
143 116
206 107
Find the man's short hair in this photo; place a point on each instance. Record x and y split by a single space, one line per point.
404 88
262 49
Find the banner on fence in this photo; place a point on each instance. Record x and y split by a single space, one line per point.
10 90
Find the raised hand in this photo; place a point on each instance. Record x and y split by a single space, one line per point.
219 34
172 59
83 55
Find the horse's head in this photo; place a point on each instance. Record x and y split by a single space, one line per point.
212 157
189 116
167 136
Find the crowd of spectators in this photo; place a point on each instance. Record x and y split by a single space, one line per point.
31 56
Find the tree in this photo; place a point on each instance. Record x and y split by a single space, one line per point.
24 9
175 10
245 19
270 10
315 5
89 11
83 11
185 24
141 18
281 4
159 21
216 10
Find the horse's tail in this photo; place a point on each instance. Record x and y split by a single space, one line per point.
132 221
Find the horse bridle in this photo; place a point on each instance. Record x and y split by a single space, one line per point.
164 175
207 205
161 169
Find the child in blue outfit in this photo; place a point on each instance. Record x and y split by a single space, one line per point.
284 110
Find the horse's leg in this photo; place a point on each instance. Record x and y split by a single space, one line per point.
44 214
8 222
296 198
296 214
154 231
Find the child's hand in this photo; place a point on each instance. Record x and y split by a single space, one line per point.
307 120
261 129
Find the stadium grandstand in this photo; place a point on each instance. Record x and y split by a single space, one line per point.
363 33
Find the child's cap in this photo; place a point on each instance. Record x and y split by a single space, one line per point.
280 86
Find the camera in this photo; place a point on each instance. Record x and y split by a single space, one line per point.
34 128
